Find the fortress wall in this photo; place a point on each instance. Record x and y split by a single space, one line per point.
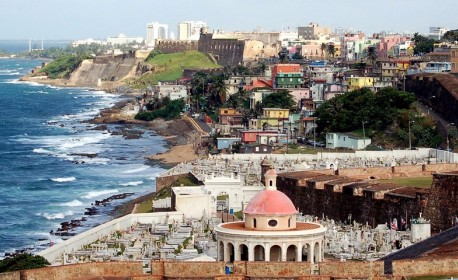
424 267
442 207
273 269
168 46
193 269
165 181
15 275
352 269
228 52
79 271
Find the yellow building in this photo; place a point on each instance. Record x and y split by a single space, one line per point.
275 113
355 83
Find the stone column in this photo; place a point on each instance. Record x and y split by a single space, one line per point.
227 253
284 250
250 252
318 255
299 252
310 253
267 252
237 253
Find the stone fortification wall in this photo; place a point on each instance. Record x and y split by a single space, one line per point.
15 275
442 208
228 52
188 270
438 91
169 46
338 197
103 68
267 38
353 269
424 267
242 270
167 181
79 271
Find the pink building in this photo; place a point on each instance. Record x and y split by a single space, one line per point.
386 46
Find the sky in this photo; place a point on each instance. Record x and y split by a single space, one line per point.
98 19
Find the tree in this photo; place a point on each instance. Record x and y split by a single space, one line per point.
199 86
283 55
323 48
331 50
450 36
372 54
422 44
22 262
280 99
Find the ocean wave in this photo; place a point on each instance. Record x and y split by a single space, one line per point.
73 203
135 183
136 170
56 216
9 73
64 179
41 151
94 194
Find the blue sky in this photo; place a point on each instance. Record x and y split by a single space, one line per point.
80 19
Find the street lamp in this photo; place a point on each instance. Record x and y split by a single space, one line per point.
410 137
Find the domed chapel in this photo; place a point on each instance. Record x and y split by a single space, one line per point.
270 231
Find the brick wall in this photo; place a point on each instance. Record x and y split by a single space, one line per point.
193 269
167 46
351 269
77 271
442 205
425 267
16 275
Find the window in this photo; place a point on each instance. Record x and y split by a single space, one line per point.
273 223
254 223
289 222
257 149
270 183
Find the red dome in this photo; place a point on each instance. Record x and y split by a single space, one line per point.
270 202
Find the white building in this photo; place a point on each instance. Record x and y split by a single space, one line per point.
194 201
156 31
340 140
88 41
270 231
123 39
172 91
436 32
190 30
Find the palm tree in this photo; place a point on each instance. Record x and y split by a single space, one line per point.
372 54
323 48
331 50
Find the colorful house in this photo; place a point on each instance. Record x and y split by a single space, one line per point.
275 113
250 136
287 76
229 116
355 83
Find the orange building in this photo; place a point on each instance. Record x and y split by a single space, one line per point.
285 68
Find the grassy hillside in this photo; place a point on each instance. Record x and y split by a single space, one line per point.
169 67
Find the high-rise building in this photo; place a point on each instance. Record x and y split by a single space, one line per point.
436 32
190 30
156 31
313 31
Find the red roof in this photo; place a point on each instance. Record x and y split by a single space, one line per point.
270 202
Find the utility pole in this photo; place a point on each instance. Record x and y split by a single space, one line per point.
364 135
410 137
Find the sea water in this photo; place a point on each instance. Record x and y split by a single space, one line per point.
45 176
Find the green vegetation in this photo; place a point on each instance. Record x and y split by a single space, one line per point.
388 116
279 99
450 36
419 182
239 215
169 67
422 44
63 66
170 110
185 181
22 262
222 197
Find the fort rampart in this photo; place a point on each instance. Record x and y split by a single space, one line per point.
242 270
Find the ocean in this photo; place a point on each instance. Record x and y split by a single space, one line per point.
46 177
